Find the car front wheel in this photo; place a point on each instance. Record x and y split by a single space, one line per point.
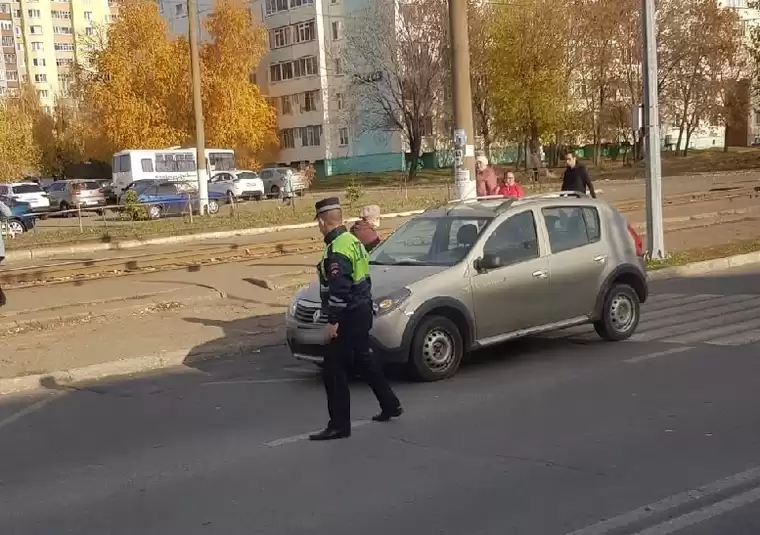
15 226
213 207
620 314
437 349
154 211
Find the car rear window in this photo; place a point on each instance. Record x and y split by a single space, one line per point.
87 186
247 176
27 188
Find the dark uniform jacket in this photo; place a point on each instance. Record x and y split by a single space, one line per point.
577 179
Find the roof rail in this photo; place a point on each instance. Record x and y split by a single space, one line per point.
557 195
467 200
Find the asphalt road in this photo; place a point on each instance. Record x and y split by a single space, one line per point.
553 435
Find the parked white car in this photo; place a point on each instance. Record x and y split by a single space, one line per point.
239 184
27 192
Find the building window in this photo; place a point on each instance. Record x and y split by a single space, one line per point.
338 66
35 30
310 99
37 45
427 126
10 58
43 93
64 62
339 100
337 30
40 78
6 25
287 104
279 37
33 13
298 3
12 76
304 32
179 10
38 62
305 66
88 15
275 6
89 30
287 139
343 137
5 8
310 136
66 15
63 30
757 118
64 47
8 40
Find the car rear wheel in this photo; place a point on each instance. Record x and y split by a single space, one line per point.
65 206
15 226
154 211
620 314
437 349
274 191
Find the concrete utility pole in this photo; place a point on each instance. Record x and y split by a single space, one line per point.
464 149
200 141
655 230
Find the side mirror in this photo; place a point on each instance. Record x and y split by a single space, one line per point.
488 262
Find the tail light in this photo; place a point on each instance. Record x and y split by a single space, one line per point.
638 242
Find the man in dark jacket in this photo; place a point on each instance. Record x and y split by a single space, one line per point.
576 177
364 229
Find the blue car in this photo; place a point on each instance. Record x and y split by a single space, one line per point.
22 219
165 197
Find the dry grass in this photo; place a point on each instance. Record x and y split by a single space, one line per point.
706 253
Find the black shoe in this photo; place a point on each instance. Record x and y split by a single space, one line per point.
384 416
330 434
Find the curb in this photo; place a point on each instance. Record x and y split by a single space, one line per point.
705 266
16 255
178 358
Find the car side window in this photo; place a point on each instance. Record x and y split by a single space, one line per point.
266 174
514 241
56 186
167 189
147 165
570 227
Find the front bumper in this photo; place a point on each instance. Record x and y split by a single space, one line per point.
308 341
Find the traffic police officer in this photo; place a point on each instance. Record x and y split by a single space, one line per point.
346 291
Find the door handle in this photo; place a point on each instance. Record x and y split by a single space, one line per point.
601 259
541 274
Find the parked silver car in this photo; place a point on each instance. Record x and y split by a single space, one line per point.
274 180
68 194
472 274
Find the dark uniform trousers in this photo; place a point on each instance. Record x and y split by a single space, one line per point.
352 346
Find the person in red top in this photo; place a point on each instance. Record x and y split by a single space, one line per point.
509 187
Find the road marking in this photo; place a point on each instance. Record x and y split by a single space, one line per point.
671 502
716 334
305 436
280 380
30 409
706 513
650 356
704 304
714 310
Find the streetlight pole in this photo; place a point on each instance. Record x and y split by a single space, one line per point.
464 149
200 141
655 230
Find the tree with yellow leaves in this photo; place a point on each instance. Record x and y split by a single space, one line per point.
19 154
135 86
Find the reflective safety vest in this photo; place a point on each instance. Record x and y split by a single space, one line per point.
349 246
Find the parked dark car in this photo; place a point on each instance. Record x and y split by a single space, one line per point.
165 197
22 219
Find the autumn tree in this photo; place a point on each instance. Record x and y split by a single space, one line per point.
394 60
529 53
133 87
695 93
19 154
482 76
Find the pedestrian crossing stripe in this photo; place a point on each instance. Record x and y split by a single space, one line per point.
715 319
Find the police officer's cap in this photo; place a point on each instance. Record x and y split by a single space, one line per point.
326 205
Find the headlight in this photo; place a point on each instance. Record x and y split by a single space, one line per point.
391 302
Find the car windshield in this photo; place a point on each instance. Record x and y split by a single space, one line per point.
430 241
27 188
140 186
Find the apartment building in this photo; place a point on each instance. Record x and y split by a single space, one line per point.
302 75
40 40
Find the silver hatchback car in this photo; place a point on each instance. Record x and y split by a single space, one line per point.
472 274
